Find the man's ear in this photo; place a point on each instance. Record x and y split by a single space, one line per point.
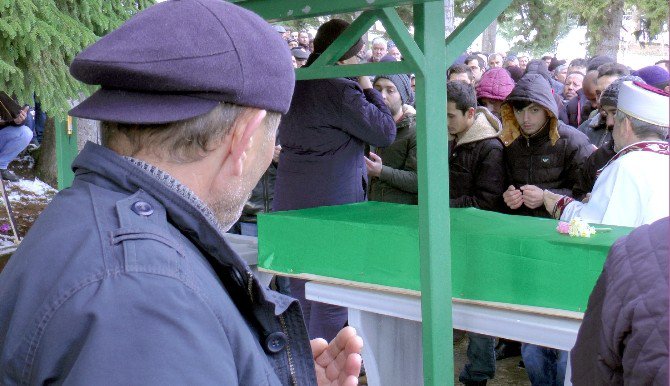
242 132
471 113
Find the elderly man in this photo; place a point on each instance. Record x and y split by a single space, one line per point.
599 158
495 60
141 287
573 83
632 188
379 49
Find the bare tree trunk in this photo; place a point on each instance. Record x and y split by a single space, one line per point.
489 37
45 162
610 33
449 16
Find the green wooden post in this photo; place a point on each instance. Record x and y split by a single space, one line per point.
433 169
66 150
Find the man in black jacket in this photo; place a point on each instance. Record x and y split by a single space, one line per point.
476 179
541 152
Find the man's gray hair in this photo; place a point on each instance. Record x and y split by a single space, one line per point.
643 129
380 41
183 141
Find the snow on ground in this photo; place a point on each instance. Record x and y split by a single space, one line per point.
31 190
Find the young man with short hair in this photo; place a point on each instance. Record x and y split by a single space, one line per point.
476 179
477 66
460 72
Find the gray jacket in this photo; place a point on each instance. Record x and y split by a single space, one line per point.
623 339
125 279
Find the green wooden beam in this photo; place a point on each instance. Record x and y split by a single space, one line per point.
66 150
433 171
401 37
276 10
473 26
335 71
346 40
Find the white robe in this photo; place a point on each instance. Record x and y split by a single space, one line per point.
631 191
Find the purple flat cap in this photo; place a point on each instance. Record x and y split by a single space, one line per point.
179 59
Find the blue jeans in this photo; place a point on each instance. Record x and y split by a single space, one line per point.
13 139
545 366
481 359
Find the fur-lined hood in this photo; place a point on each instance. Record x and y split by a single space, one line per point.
532 88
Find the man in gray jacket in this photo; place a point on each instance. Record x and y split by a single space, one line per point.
624 336
126 277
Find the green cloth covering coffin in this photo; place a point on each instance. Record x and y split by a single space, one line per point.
495 257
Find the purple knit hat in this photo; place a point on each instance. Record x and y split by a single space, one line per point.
495 84
180 59
653 75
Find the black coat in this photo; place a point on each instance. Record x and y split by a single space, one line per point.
535 161
476 170
587 173
578 109
549 159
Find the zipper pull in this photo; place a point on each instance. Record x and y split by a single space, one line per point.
250 285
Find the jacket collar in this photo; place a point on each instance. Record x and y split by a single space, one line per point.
486 126
184 210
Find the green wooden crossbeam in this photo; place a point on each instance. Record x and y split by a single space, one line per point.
473 25
325 72
278 10
401 37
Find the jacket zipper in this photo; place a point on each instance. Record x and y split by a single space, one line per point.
250 288
291 366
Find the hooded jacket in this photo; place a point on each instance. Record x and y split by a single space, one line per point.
623 339
398 179
476 170
549 159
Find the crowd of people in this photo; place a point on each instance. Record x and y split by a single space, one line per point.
144 289
535 137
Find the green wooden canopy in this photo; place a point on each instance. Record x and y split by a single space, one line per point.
427 54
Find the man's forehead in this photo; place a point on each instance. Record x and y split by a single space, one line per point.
383 82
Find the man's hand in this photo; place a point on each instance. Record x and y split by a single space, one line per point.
338 363
550 200
532 196
408 109
374 165
513 197
275 156
22 116
365 82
